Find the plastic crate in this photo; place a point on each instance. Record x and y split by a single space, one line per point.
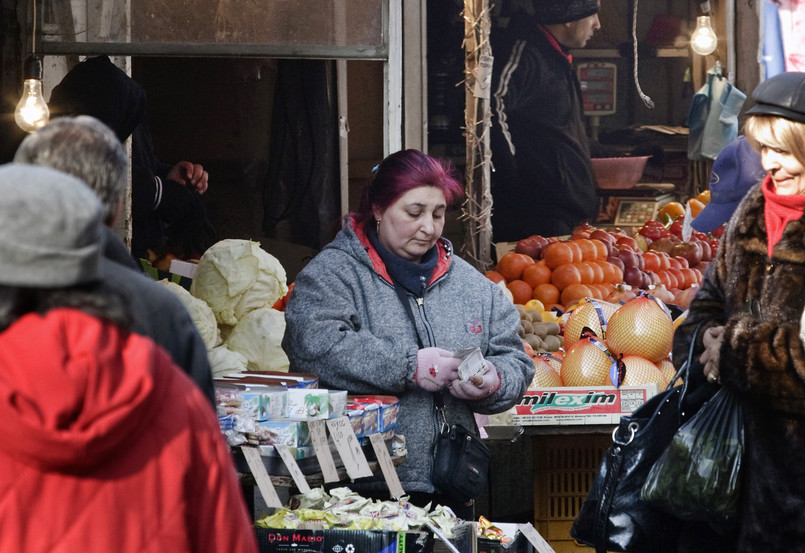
564 469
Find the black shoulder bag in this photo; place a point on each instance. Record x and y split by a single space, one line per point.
613 517
460 458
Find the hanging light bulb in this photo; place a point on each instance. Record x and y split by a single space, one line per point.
703 41
32 111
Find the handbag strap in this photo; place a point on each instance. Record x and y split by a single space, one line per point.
613 474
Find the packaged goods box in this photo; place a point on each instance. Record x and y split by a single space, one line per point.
572 406
346 541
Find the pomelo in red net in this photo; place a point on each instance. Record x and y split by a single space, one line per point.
588 314
641 327
586 364
545 376
639 371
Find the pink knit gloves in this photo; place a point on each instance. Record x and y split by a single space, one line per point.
435 368
478 387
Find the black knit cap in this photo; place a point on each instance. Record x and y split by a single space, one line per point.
782 95
562 11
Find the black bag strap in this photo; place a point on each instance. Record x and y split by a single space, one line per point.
613 474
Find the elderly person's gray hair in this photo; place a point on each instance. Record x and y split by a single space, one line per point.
84 147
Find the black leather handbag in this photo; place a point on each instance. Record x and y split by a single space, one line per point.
460 460
613 517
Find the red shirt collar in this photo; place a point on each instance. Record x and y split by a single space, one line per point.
555 43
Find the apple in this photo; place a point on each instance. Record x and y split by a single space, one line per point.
653 230
631 259
662 245
633 276
617 261
531 246
691 251
627 241
603 236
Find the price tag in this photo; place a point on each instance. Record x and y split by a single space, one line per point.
260 474
348 448
535 539
483 77
384 459
318 435
293 468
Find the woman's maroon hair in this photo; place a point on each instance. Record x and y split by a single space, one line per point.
403 171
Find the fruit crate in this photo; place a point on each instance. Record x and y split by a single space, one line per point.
564 469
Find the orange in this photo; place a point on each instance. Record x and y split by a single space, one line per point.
704 197
588 249
511 265
557 253
651 261
565 275
585 271
695 206
537 273
576 249
672 210
521 291
598 272
575 292
547 294
601 249
607 269
495 276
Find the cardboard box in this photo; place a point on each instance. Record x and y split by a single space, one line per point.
306 403
346 541
272 378
571 406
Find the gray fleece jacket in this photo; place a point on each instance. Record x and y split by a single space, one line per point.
346 324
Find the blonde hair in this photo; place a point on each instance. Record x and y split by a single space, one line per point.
776 132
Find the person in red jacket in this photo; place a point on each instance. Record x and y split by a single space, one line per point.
107 445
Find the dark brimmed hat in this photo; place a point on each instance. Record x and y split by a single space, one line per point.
736 169
562 11
782 95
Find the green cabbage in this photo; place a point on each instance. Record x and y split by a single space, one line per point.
258 336
225 361
200 313
236 277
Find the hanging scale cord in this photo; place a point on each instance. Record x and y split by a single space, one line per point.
646 100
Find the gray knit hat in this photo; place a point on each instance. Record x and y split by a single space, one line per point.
562 11
50 228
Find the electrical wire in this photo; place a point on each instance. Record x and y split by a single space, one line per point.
646 100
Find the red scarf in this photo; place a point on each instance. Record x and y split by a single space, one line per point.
780 210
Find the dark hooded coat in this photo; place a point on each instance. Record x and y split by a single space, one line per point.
166 215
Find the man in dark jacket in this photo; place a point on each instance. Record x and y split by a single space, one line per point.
168 215
85 148
543 180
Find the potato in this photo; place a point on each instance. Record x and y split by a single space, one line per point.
534 341
533 315
552 342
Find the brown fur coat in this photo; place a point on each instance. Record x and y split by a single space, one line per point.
762 358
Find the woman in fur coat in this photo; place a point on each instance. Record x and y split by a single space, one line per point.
752 301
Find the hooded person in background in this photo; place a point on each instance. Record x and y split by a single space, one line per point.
735 171
543 179
168 215
87 149
107 445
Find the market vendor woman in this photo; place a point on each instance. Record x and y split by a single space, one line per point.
384 306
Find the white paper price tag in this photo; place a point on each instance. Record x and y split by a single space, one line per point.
293 468
318 435
535 538
260 474
348 448
483 77
386 465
